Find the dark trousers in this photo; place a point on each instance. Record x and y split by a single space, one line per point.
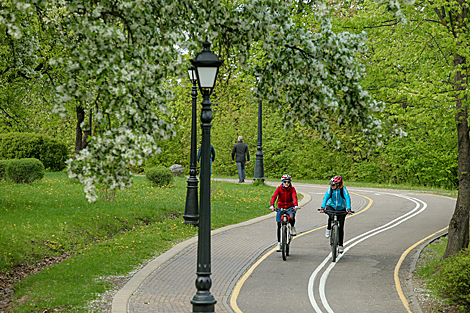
341 218
241 171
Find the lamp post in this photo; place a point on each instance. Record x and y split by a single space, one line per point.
207 66
191 214
259 167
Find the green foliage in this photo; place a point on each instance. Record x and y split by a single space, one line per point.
24 170
27 79
411 70
50 151
453 280
3 165
258 182
160 176
427 156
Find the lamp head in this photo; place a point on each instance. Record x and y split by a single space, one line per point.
207 65
192 74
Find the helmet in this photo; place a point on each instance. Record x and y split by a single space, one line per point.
286 177
337 180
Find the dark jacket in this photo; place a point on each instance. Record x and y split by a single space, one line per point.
212 153
238 152
287 197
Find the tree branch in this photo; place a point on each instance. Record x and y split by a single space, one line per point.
392 22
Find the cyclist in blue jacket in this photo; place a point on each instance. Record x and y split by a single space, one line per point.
336 198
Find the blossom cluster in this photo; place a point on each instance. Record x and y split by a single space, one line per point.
122 54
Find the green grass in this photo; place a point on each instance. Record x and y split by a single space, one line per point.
431 258
52 217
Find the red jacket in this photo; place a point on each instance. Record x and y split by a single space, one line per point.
287 197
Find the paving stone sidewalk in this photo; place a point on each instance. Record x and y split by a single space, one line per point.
171 286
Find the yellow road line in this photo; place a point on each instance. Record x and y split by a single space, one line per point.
397 269
241 281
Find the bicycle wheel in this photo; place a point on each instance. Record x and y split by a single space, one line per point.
283 241
334 246
288 241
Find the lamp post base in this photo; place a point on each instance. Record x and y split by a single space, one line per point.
203 301
191 211
191 220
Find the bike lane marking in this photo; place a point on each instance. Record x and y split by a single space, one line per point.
241 281
397 269
369 234
318 269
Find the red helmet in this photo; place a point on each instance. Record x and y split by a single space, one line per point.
337 180
286 177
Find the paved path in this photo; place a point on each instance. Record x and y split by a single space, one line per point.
167 284
373 274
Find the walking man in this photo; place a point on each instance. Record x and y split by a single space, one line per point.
212 157
238 155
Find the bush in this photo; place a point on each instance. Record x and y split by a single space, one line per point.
50 151
453 280
25 170
3 165
160 176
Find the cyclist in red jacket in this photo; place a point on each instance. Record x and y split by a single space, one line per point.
286 198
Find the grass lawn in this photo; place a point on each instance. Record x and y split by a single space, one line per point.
52 218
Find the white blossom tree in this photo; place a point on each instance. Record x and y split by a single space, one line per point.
126 50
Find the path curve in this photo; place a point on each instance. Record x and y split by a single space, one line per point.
167 283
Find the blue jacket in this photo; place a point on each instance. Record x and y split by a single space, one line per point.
212 153
333 198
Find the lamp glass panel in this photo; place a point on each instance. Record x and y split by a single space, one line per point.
207 76
192 75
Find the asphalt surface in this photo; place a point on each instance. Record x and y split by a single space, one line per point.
373 275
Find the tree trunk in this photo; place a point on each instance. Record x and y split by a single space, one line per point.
81 142
458 236
78 133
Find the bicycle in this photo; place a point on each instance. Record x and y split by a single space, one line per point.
286 236
334 234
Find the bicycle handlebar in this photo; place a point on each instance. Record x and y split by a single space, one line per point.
285 209
336 212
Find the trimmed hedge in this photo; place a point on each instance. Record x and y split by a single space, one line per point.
50 151
25 170
3 166
160 176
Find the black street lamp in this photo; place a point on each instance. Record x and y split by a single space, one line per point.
191 214
207 66
259 167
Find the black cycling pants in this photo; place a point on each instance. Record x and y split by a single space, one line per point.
341 218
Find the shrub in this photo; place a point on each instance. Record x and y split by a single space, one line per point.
3 165
453 280
50 151
160 176
25 170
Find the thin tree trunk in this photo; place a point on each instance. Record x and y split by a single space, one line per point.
78 133
459 224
